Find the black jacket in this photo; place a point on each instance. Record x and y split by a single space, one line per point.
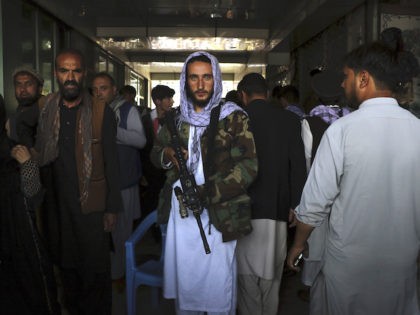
281 161
27 284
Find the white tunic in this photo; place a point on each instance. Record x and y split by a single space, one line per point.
366 175
262 252
199 281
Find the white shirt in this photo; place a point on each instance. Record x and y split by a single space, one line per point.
366 176
199 281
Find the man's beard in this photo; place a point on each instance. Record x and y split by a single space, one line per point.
70 94
352 101
27 100
197 102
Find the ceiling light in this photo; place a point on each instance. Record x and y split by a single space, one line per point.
215 15
206 43
186 43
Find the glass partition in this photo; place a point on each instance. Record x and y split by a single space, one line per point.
45 52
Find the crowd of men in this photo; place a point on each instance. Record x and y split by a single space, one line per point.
241 172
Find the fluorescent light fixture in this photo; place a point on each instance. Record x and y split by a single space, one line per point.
224 66
167 64
129 43
187 43
206 43
256 65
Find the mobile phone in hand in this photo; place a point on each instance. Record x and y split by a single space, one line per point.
298 260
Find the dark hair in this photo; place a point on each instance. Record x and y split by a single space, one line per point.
390 69
72 51
128 89
253 83
327 85
290 93
106 75
232 96
392 37
275 93
160 92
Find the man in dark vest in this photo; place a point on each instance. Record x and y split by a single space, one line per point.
76 138
276 190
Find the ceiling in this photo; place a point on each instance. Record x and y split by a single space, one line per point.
131 29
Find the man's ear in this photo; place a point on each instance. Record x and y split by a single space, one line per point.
243 97
363 79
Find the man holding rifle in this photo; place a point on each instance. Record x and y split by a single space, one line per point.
211 167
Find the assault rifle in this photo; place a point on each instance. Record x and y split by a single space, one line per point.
188 197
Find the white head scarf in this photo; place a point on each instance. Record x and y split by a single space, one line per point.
200 120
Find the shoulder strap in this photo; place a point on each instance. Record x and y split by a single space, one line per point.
211 135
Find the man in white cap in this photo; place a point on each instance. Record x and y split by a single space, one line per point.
28 90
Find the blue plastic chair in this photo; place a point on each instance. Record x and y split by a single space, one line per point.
149 273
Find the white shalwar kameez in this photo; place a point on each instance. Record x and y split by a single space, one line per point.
198 281
316 241
366 177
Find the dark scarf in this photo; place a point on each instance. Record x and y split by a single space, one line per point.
49 129
27 284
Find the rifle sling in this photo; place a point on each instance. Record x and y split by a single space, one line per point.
211 135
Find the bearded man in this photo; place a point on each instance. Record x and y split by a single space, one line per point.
28 85
130 138
198 281
77 140
364 184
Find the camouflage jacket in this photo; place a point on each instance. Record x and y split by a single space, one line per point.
235 165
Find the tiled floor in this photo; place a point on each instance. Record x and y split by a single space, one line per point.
290 304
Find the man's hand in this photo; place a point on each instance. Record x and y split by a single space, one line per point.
169 156
110 219
293 254
20 153
300 245
292 218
